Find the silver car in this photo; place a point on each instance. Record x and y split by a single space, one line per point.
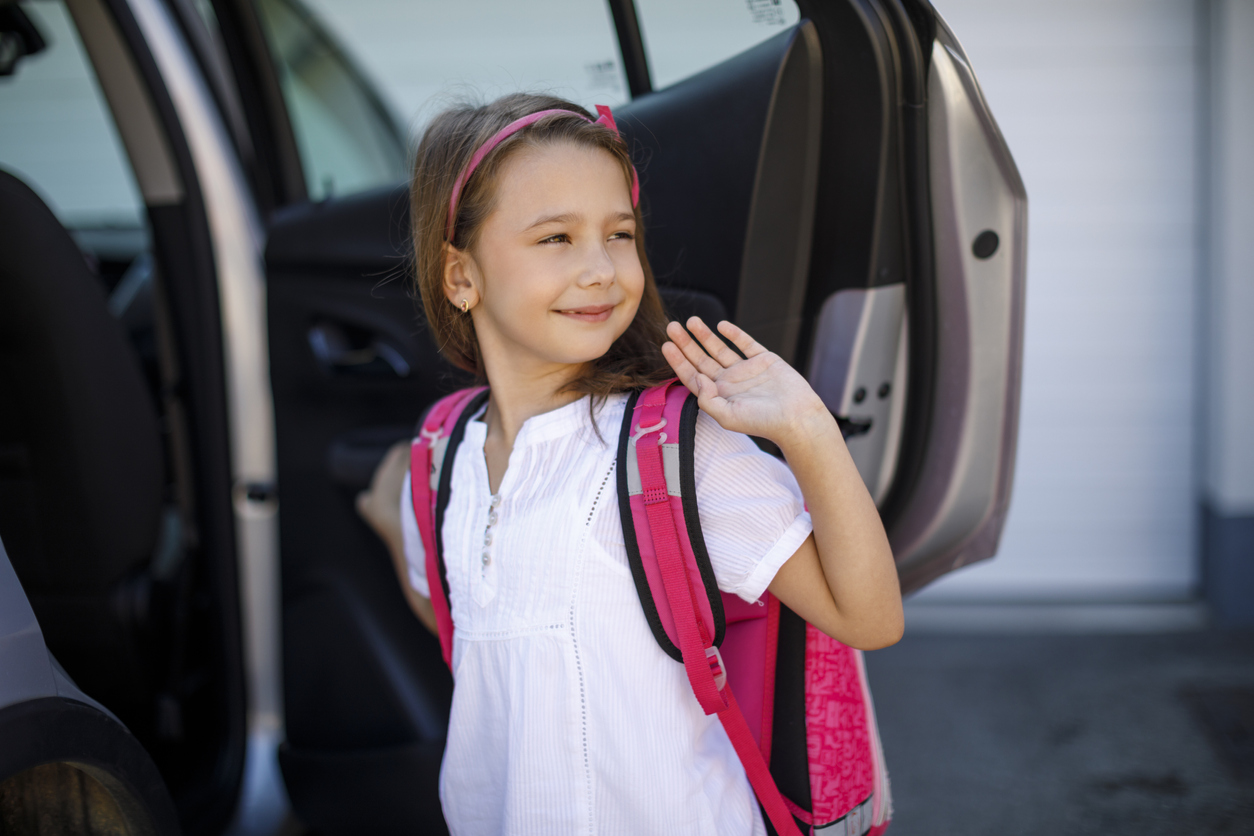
196 631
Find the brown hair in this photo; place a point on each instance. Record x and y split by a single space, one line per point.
635 359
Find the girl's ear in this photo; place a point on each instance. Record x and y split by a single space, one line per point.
460 278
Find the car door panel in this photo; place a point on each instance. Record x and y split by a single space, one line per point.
708 179
366 690
912 163
857 364
980 230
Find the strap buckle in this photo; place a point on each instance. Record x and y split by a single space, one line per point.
643 431
716 666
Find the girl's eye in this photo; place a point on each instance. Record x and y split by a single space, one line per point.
559 238
623 236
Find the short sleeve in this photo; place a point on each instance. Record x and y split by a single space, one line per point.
415 554
753 516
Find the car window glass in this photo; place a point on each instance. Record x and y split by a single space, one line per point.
422 56
57 135
347 138
684 37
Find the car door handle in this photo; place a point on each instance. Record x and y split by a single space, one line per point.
355 351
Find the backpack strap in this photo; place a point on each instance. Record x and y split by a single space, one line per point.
662 422
675 581
440 432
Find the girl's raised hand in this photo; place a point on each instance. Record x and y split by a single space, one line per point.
758 394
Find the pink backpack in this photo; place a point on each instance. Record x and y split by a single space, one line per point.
801 719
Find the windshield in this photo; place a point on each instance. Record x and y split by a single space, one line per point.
348 139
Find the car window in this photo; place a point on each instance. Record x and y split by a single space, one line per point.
684 37
57 135
347 137
422 55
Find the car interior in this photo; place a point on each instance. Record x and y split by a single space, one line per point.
770 181
114 490
90 506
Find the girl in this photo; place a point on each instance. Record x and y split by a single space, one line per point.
567 716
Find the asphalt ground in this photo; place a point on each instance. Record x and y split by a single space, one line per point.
1019 735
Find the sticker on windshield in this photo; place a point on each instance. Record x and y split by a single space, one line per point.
604 75
769 12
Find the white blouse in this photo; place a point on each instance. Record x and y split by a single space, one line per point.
567 717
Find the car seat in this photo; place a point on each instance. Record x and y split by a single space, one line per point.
81 467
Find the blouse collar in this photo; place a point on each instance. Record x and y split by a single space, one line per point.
563 421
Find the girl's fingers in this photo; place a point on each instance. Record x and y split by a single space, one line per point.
709 400
692 350
716 348
684 370
741 339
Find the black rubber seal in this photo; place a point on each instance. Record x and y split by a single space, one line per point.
446 486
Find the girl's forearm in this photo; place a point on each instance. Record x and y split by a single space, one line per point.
379 506
853 550
417 602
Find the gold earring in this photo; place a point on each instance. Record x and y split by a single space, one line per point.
465 306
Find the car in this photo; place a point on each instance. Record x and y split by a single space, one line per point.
196 630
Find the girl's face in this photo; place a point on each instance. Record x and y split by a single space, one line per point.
554 278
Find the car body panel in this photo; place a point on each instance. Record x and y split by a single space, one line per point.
858 368
237 237
963 492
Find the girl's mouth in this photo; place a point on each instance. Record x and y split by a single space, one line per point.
590 313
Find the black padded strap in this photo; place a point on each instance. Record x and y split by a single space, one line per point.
688 491
687 480
444 488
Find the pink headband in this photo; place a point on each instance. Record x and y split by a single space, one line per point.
605 118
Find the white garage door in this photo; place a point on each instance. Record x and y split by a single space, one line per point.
1098 101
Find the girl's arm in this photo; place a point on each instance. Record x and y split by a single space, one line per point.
380 506
842 579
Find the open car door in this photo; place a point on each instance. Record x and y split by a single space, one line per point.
840 190
878 244
122 214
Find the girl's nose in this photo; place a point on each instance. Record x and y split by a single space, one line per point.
598 269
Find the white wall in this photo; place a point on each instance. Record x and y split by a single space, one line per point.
1229 471
1098 100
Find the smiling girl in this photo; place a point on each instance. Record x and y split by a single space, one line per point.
567 716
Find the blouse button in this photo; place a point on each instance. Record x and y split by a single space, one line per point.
492 517
487 558
487 538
